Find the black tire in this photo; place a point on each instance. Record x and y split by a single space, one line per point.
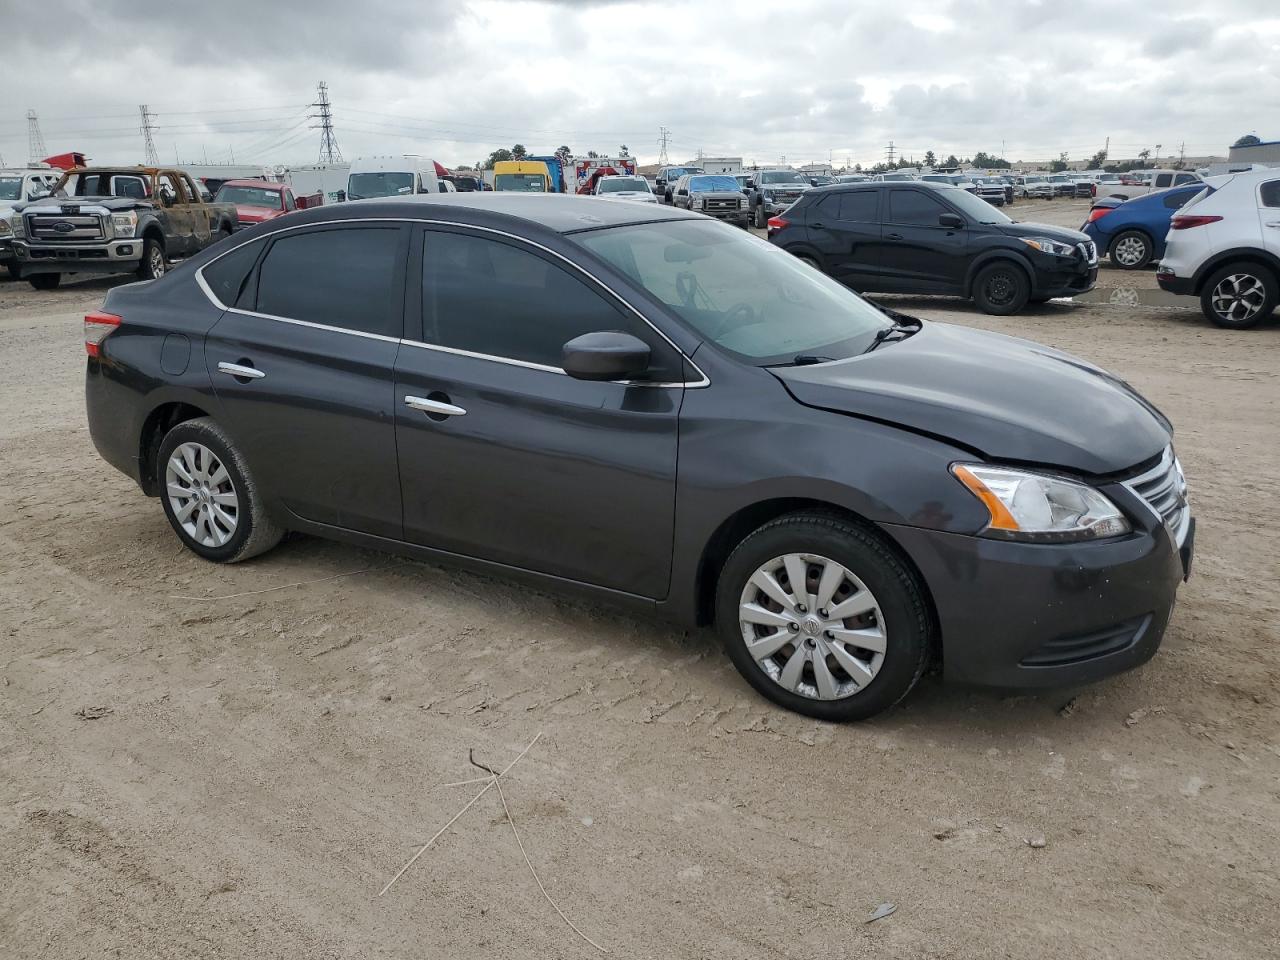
255 532
1131 250
1241 279
809 261
224 233
1001 288
761 220
901 598
15 271
45 281
153 261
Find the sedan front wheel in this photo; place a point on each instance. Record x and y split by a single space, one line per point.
823 618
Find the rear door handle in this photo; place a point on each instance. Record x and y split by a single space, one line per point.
893 236
434 406
239 370
1273 223
817 226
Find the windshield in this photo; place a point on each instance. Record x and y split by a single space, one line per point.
704 184
747 296
620 184
10 188
675 173
526 182
974 206
251 197
362 186
783 176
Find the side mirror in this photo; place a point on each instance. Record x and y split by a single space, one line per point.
952 221
607 355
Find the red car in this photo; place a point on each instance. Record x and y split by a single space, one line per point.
257 200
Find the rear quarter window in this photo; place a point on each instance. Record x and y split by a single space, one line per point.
1270 193
226 276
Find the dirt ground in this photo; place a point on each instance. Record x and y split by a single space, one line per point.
239 777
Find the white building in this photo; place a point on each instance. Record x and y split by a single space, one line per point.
730 165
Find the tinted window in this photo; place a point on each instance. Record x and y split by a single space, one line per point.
858 206
342 278
1271 193
1164 179
226 275
912 206
1177 199
1183 178
488 297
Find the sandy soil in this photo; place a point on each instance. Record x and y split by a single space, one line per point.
262 765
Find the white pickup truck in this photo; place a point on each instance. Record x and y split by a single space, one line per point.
1139 183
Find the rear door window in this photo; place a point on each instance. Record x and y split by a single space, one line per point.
1270 193
859 206
343 277
914 208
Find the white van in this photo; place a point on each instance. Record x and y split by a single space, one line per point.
394 177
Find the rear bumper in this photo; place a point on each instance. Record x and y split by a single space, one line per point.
110 256
1182 286
1047 615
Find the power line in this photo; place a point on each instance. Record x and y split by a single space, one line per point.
148 143
329 152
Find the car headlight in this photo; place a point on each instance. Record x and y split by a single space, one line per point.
1038 507
16 225
1045 245
124 223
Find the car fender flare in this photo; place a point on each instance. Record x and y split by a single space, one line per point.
1236 254
984 260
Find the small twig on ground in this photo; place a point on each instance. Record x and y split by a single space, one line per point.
533 872
283 586
490 781
463 783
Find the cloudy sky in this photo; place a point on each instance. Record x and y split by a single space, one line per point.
800 79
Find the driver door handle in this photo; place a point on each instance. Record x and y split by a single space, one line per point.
239 370
434 406
893 236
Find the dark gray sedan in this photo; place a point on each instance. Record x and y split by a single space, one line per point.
654 408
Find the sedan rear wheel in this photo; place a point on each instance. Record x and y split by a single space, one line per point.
1240 296
821 617
1131 250
209 495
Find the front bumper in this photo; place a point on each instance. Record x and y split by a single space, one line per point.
1018 615
1064 280
101 256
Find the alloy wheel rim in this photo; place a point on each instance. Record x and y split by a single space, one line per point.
1130 251
202 495
157 262
823 640
1238 297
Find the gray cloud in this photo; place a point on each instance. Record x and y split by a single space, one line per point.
761 79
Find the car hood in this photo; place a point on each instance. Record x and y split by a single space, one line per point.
1008 399
110 203
1062 234
256 214
718 194
785 187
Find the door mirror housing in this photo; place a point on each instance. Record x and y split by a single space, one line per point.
952 221
605 355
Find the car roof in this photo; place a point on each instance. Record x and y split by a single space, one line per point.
250 182
559 212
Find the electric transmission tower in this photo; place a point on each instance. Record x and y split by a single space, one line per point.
889 153
663 136
329 152
35 140
148 144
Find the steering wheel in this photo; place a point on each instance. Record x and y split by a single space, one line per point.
739 315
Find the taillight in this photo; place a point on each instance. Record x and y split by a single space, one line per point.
96 327
1185 221
778 223
1097 213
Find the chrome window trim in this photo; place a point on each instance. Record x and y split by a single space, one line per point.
703 380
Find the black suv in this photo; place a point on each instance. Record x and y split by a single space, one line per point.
934 239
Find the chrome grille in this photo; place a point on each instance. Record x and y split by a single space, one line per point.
1163 488
64 227
1090 251
722 203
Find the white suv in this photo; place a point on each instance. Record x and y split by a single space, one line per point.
1224 247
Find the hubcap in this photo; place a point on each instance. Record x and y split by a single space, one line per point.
157 262
1130 251
1238 297
812 626
201 495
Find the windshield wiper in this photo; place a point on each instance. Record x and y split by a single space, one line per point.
899 331
808 360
